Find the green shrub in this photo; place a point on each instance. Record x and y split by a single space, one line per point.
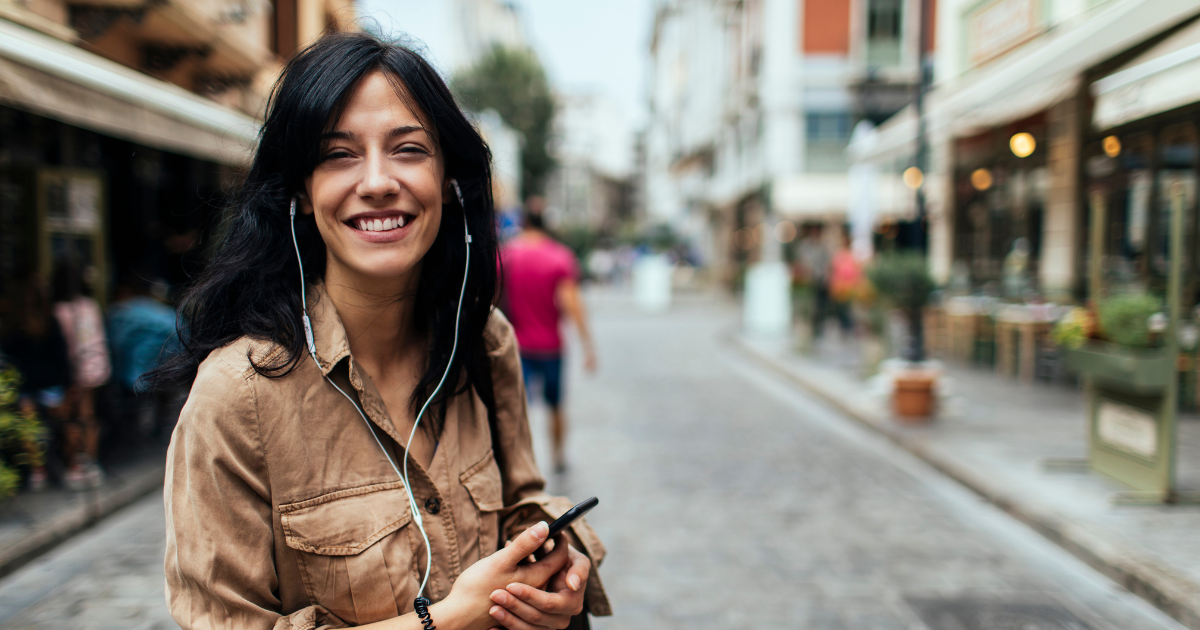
20 433
902 279
1124 319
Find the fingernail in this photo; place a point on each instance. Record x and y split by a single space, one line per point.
499 597
541 529
515 589
573 582
497 612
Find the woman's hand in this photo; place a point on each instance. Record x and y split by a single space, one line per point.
467 606
528 608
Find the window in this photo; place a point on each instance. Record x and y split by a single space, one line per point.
884 22
828 127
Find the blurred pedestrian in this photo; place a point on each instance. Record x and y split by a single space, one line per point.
38 349
541 284
845 282
355 441
814 259
82 324
141 332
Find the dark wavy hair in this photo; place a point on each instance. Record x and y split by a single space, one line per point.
251 285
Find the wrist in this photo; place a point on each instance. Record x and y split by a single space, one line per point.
449 615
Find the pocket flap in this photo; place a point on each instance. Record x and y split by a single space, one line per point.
346 522
482 481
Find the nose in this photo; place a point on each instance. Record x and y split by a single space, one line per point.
377 184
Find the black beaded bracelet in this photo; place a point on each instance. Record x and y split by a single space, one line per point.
421 605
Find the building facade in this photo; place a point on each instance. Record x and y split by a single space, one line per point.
1017 121
753 103
124 127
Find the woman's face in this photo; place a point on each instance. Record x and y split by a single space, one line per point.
377 191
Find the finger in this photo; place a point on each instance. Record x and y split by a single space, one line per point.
559 603
511 621
578 569
524 545
528 613
574 575
539 573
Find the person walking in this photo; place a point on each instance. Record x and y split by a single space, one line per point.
541 284
82 323
355 449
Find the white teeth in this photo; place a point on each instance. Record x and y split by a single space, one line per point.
379 225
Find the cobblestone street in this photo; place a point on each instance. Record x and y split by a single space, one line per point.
728 500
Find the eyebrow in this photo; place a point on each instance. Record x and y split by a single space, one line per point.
349 135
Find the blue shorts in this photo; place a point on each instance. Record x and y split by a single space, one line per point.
548 370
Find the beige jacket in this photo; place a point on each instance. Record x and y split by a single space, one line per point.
282 511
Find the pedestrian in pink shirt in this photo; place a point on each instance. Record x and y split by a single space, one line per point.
541 283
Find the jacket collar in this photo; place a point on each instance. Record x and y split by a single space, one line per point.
329 334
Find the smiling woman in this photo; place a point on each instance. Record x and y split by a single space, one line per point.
285 504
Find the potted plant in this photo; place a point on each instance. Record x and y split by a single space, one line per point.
902 280
1121 343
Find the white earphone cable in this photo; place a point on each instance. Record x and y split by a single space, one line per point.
312 350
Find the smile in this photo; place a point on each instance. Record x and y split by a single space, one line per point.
379 221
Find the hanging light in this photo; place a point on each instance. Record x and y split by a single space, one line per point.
913 177
981 179
1112 146
1022 144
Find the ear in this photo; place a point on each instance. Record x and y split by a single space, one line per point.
303 204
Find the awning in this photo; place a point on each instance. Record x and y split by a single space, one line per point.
1161 79
54 79
1035 76
828 196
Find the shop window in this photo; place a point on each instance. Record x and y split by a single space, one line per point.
1177 149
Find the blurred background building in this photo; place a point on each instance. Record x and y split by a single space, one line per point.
752 108
123 125
1026 93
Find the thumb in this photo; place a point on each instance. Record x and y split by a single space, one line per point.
524 545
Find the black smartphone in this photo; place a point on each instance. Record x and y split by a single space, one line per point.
570 515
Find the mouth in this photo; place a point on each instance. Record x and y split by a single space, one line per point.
379 221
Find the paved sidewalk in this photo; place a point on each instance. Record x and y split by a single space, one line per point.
993 436
32 524
108 578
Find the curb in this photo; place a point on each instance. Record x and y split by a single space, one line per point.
43 537
1162 587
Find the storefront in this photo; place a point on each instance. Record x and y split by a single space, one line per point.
104 165
1143 148
1000 184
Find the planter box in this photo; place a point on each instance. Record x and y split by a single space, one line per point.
1136 370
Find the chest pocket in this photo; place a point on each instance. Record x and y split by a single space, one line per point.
354 551
482 481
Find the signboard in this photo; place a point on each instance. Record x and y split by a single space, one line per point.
1128 429
995 27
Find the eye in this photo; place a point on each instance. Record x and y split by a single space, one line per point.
336 154
413 150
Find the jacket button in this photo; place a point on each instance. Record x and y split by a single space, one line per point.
433 505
